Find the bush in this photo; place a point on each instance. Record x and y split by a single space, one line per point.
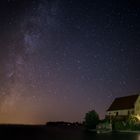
135 127
132 122
91 119
120 125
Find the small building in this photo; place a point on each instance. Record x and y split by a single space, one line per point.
124 106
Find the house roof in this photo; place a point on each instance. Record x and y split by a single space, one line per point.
121 103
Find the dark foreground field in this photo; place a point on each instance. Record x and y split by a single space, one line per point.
8 132
39 132
25 132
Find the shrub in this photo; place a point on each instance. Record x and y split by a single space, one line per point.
91 119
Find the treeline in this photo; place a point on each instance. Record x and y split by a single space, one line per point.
64 124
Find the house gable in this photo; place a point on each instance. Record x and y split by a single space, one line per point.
124 106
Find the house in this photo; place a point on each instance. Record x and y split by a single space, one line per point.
124 106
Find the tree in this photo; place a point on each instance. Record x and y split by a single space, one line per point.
91 119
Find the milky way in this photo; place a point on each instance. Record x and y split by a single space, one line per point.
60 59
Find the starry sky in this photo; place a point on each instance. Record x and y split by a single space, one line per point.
61 58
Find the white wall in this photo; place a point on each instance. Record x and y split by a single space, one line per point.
137 106
120 112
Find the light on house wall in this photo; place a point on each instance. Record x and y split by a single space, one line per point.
138 117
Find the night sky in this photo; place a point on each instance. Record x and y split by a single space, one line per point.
61 58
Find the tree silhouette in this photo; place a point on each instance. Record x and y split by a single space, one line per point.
91 119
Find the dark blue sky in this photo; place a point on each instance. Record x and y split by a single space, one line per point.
60 59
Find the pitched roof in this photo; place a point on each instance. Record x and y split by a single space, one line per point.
121 103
